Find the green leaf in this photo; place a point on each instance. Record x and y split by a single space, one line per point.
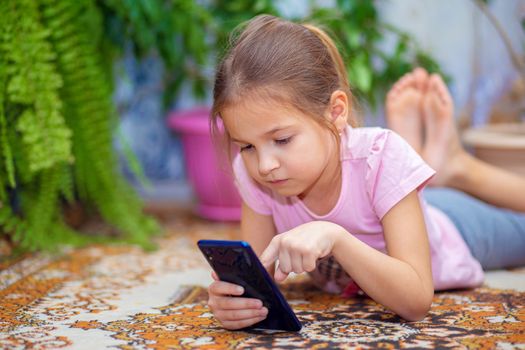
361 73
351 34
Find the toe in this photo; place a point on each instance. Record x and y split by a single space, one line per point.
437 84
405 81
399 86
421 78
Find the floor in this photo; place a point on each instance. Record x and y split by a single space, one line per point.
122 297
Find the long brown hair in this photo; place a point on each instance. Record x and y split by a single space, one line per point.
299 61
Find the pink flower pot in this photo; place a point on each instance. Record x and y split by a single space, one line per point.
210 178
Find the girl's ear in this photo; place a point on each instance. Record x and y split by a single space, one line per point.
338 110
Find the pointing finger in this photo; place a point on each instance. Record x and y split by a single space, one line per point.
271 252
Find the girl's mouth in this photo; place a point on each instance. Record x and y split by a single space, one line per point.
278 182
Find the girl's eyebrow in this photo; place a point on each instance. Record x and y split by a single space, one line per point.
235 140
269 132
277 128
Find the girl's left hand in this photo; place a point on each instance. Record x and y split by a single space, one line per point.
299 249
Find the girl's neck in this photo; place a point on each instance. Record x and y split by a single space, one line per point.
323 195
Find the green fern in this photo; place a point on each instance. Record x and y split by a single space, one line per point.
8 171
56 122
33 84
90 115
9 222
38 138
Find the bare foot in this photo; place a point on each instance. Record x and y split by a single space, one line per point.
403 107
442 148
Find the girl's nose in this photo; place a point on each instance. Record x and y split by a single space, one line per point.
267 163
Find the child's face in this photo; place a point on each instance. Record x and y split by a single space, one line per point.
282 148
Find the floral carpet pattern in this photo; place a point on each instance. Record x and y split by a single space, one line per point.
120 297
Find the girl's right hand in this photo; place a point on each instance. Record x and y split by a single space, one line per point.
232 311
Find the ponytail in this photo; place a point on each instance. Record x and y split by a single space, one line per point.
334 54
340 67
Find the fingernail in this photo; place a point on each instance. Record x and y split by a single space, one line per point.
263 311
239 290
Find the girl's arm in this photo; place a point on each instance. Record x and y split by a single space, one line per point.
256 229
401 280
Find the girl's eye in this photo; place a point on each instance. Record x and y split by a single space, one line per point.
246 148
283 141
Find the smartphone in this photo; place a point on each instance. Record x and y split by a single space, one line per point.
236 262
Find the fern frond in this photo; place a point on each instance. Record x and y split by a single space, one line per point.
33 83
86 95
41 208
66 184
11 223
6 154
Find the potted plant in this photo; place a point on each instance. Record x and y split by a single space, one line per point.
208 173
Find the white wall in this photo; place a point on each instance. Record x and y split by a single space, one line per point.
465 43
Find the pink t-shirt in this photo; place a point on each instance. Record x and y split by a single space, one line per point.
378 170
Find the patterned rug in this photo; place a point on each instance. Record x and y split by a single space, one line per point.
120 297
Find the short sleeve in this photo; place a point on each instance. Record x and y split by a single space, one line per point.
251 193
394 170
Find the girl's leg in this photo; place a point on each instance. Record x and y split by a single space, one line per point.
495 236
455 167
489 183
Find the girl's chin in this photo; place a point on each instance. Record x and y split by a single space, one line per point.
288 192
284 188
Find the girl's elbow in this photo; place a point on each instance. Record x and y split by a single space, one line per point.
415 314
417 310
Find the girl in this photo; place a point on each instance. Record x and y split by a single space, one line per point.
344 203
